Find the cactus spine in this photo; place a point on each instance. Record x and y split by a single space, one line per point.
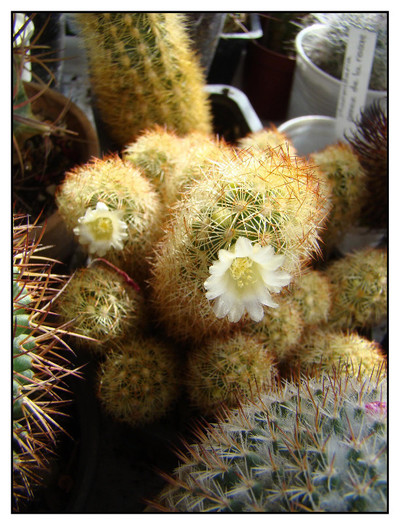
266 139
40 361
155 76
318 446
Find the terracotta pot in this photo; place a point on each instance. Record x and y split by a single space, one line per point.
267 81
50 105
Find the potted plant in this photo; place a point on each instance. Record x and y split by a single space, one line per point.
320 50
269 64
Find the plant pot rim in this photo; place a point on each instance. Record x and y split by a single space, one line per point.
254 32
300 50
273 53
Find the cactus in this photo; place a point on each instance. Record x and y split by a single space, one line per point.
113 209
327 49
369 141
281 328
172 162
343 179
41 363
313 294
324 346
222 370
267 138
359 286
102 307
272 202
317 445
143 72
138 380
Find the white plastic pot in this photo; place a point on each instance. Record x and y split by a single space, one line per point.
314 92
310 133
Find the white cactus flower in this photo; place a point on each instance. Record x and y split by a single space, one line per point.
101 229
242 278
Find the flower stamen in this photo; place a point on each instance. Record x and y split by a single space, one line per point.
242 270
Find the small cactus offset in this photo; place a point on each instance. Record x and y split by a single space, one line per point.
101 306
359 286
281 328
223 370
312 292
138 381
260 213
343 179
266 139
324 347
41 361
156 77
113 210
173 162
317 445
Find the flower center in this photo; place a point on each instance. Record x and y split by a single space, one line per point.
242 270
102 228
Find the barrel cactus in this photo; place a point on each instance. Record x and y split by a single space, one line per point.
318 445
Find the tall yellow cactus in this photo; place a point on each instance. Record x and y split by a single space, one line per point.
143 72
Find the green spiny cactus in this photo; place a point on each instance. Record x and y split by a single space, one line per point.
41 362
173 162
359 285
143 72
343 179
271 202
101 306
312 291
370 142
319 445
324 346
138 381
267 138
222 370
113 210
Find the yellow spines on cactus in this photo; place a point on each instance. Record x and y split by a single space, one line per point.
266 139
102 307
143 72
138 381
312 292
221 371
359 285
172 162
343 179
270 204
327 349
280 329
113 210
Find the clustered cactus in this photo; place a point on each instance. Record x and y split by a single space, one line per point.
318 445
199 277
42 361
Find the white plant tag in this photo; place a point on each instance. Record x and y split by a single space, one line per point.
356 73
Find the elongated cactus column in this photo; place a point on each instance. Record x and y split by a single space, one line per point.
143 73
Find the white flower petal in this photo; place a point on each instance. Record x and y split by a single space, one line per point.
247 286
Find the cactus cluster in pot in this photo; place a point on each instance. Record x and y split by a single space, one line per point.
199 278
